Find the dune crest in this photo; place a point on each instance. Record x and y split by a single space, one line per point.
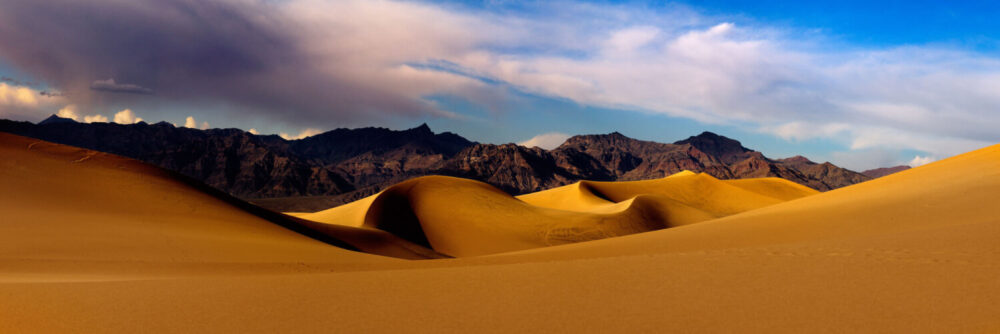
96 243
461 217
75 198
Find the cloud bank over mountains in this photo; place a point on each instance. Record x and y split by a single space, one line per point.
547 141
315 63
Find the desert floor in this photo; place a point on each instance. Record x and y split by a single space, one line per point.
91 242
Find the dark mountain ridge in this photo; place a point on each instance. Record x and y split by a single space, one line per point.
880 172
347 164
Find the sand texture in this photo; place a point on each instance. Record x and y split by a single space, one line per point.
460 217
95 243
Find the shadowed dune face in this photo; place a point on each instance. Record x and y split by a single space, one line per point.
83 205
460 217
100 195
95 243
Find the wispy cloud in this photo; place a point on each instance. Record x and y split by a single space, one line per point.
109 85
309 62
547 141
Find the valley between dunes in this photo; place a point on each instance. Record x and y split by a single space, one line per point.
91 242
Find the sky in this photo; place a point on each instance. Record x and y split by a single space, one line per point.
862 84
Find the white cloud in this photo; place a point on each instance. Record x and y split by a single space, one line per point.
874 146
547 141
305 133
253 131
22 102
126 117
885 137
804 131
68 112
920 161
782 82
865 159
13 95
790 83
191 123
95 119
626 41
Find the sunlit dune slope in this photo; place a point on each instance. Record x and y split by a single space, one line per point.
71 206
715 197
462 217
574 197
773 187
954 193
914 252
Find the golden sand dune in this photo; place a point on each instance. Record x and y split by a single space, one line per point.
70 206
462 217
951 193
701 191
94 243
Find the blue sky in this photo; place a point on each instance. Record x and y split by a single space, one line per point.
862 84
968 24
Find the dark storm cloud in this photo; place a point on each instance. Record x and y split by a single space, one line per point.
110 85
241 52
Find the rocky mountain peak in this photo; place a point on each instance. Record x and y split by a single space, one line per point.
798 159
54 119
726 149
348 164
612 141
423 129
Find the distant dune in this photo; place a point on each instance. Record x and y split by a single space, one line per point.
460 217
91 242
344 165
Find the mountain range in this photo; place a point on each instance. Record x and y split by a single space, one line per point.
343 165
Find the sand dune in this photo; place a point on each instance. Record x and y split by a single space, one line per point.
95 243
462 217
698 190
946 194
70 206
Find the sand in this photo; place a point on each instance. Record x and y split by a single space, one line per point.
461 218
96 243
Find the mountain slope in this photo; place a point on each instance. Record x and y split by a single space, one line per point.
252 166
343 165
880 172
